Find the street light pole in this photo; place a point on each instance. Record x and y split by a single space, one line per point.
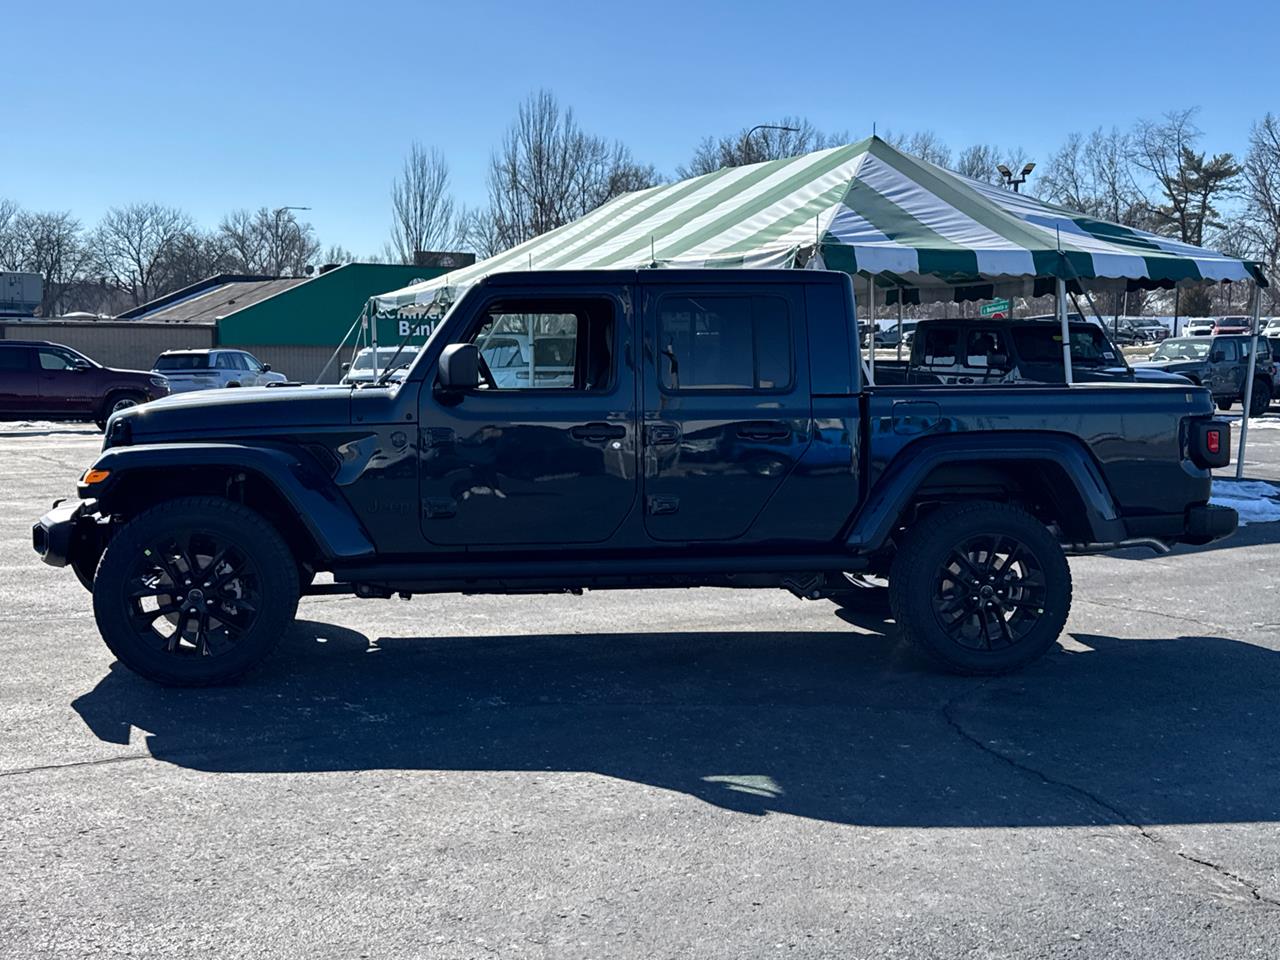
278 211
746 137
1010 180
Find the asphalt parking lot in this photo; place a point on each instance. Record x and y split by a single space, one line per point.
664 774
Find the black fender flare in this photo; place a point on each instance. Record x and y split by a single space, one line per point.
323 511
874 522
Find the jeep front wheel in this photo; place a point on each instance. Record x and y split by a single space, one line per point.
195 591
982 588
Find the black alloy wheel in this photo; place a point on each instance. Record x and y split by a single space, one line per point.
195 591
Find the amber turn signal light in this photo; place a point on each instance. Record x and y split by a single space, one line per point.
92 476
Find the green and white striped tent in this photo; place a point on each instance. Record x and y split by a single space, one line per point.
865 208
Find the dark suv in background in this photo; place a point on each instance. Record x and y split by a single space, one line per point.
47 381
1220 363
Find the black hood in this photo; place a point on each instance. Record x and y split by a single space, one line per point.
240 409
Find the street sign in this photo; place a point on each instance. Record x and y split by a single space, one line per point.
994 307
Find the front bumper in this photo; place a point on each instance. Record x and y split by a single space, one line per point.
54 534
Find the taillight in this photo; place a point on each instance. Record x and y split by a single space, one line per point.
1210 443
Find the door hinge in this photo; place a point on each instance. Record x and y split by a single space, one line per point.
663 505
438 508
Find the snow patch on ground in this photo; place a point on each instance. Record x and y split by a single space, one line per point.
1255 500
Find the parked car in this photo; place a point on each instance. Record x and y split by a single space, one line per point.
47 381
714 430
207 369
361 370
1220 363
1010 351
1271 329
1228 325
1199 327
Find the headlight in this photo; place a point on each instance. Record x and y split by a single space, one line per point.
160 381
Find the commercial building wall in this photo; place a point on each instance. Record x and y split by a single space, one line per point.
129 344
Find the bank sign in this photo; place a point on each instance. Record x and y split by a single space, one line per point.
393 329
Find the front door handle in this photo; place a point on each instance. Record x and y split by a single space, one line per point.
764 430
597 432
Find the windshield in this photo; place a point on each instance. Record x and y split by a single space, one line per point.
1089 346
364 359
1182 350
182 361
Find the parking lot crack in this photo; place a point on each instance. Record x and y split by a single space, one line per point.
1152 839
1132 608
103 761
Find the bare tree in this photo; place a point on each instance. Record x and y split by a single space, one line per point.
924 144
548 172
981 160
1095 175
268 242
50 244
775 140
423 208
9 212
134 245
1257 230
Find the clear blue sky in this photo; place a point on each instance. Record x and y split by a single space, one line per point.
213 107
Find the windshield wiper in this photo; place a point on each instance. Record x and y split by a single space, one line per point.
391 364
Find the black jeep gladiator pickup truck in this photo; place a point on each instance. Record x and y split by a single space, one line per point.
694 428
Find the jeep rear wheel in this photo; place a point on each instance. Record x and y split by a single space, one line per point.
195 591
981 588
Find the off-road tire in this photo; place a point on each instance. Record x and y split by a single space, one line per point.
923 572
1224 405
1261 400
268 578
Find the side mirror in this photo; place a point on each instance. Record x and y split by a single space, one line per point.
346 367
459 368
266 368
79 366
998 361
1217 356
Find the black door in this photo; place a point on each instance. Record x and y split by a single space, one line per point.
18 393
726 405
545 452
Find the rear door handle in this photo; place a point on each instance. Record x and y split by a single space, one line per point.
764 430
656 433
597 432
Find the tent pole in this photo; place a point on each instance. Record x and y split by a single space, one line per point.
373 336
901 293
871 314
1066 330
1248 381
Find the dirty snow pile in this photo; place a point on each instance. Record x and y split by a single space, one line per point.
1255 500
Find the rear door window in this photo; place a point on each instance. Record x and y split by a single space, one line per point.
13 359
716 342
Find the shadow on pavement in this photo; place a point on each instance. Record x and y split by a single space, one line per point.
835 726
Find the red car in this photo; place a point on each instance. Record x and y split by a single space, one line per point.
47 381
